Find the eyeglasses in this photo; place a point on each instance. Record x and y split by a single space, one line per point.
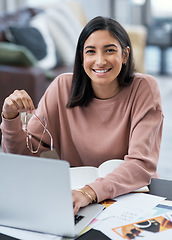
29 135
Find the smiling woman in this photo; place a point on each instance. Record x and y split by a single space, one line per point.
102 62
104 110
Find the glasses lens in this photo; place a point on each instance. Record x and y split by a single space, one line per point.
29 136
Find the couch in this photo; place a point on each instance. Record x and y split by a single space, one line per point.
24 36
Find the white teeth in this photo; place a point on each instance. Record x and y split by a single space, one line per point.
101 71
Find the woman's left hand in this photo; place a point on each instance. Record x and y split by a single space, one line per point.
80 199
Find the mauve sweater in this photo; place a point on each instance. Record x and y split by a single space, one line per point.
127 126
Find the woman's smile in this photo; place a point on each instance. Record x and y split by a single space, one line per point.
102 72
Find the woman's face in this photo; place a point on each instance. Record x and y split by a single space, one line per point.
103 59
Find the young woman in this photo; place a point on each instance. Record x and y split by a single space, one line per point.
102 111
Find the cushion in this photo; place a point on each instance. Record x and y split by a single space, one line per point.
65 29
28 37
12 54
52 57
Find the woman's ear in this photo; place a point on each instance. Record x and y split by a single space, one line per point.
125 54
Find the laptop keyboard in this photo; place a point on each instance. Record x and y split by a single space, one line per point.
78 218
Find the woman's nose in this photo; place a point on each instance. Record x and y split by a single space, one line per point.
100 60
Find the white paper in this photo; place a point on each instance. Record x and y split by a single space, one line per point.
123 214
81 176
118 215
140 200
129 208
108 166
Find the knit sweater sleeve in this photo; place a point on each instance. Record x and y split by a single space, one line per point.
140 164
14 135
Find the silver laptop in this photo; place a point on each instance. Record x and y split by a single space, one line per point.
35 194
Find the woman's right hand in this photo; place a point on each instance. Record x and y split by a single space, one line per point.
18 101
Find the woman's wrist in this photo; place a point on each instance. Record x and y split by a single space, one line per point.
9 116
89 193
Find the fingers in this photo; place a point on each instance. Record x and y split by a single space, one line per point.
76 208
22 100
18 101
79 200
76 202
82 197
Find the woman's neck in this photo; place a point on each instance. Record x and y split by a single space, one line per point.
106 92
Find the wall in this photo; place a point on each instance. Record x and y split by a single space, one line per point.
94 8
123 11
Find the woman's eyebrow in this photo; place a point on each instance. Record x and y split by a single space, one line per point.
89 47
110 45
105 46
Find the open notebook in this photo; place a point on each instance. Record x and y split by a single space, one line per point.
80 176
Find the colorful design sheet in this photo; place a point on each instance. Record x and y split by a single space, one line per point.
141 228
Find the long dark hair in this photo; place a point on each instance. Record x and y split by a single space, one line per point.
81 92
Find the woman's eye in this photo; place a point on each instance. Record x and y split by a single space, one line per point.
90 51
110 50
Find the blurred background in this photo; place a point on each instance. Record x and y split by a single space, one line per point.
38 39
